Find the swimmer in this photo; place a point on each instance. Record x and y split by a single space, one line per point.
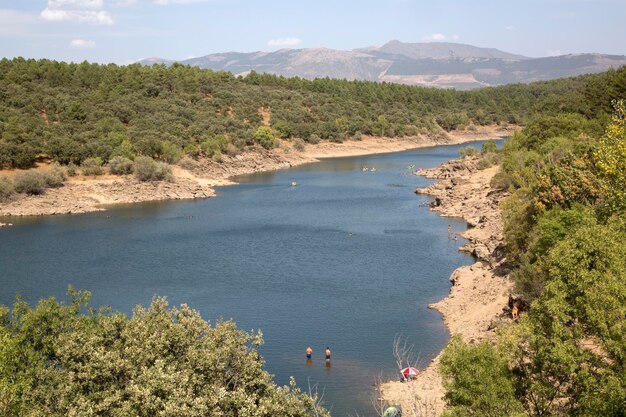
327 353
309 352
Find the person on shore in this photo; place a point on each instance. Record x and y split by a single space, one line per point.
309 352
327 354
515 311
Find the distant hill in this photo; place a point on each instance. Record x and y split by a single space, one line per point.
436 64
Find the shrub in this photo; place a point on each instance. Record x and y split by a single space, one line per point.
501 181
6 188
489 146
314 139
358 135
55 176
147 169
264 136
120 165
187 163
71 169
231 150
91 166
484 163
29 182
163 172
468 151
298 144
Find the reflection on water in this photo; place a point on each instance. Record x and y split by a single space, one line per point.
341 260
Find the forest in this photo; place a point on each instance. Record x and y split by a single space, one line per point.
73 112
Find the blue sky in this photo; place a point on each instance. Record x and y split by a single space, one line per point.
124 31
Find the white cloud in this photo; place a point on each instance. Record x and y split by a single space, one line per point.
82 44
284 42
440 37
81 11
509 28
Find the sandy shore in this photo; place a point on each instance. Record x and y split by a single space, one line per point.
86 194
473 308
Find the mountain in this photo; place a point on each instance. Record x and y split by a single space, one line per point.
433 64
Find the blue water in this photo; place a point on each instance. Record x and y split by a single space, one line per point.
346 259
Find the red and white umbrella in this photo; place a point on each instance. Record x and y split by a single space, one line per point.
410 372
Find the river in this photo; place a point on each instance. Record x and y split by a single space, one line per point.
346 258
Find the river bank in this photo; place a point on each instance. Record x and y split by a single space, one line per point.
473 308
86 194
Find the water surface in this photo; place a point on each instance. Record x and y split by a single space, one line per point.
347 259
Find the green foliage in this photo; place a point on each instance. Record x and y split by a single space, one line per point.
6 188
147 169
282 129
217 144
91 166
468 150
119 165
264 136
489 147
478 381
610 159
125 149
452 121
162 361
29 182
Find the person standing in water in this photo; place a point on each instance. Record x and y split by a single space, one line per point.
449 231
327 354
309 352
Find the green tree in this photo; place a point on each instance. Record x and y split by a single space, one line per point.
264 136
162 361
478 381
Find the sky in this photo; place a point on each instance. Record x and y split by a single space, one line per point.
125 31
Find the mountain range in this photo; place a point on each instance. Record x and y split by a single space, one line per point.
432 64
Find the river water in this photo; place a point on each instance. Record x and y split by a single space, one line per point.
346 258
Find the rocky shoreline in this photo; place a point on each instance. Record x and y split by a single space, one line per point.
473 308
86 194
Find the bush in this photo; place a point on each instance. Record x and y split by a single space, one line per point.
71 169
484 163
144 365
489 146
468 151
120 165
147 169
6 188
298 144
91 166
29 182
265 136
314 139
55 176
501 181
187 163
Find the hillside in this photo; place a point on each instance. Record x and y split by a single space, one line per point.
73 112
432 64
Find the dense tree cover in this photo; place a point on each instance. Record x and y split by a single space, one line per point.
77 111
565 231
70 360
